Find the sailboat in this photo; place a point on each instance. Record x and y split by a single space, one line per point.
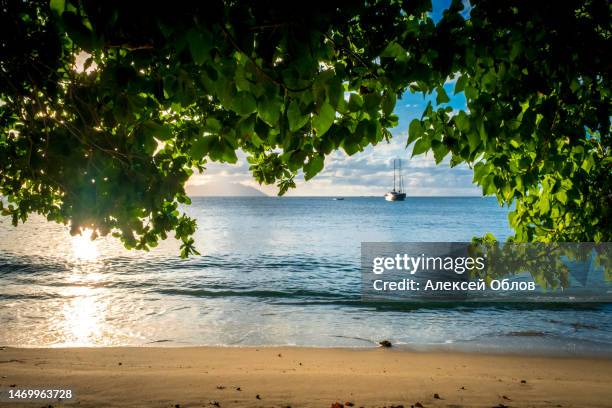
397 195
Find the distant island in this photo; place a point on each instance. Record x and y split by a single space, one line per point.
223 189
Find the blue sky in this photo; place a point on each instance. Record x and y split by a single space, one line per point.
371 172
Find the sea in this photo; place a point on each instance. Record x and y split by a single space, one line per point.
272 272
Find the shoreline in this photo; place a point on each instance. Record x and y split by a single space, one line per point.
467 348
312 377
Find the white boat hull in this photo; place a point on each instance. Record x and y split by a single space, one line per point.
395 196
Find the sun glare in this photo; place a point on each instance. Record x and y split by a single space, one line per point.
83 248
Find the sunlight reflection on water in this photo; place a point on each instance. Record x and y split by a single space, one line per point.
84 311
81 317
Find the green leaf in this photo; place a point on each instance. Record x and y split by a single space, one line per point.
161 132
480 171
482 132
324 119
440 150
544 204
462 121
441 96
200 44
388 103
460 84
371 103
314 166
57 6
295 117
212 125
295 159
421 146
489 79
415 131
562 196
488 186
244 103
473 140
256 140
284 185
201 146
228 153
394 50
350 144
269 110
587 164
335 91
355 102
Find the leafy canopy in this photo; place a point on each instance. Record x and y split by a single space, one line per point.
107 107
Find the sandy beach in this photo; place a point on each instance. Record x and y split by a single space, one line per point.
305 377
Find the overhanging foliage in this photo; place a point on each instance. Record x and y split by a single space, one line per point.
165 87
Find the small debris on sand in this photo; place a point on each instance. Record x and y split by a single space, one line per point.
418 405
337 405
348 404
215 403
385 343
220 387
120 363
506 398
523 381
258 397
238 389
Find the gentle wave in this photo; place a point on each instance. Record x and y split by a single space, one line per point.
266 294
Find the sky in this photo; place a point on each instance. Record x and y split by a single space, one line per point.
370 173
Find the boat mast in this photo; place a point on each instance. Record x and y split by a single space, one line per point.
393 174
399 172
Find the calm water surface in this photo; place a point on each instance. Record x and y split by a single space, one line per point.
274 271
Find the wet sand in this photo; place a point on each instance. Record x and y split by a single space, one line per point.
304 377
